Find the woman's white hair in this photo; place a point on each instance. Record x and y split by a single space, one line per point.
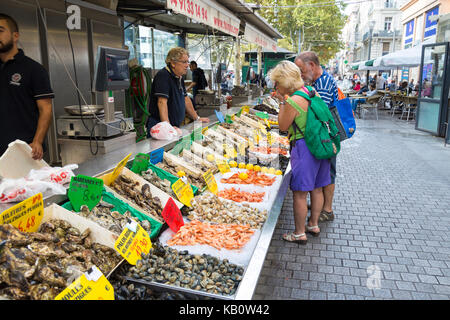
287 75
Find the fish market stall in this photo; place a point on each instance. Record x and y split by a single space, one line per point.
218 249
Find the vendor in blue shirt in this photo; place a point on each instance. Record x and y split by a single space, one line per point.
168 98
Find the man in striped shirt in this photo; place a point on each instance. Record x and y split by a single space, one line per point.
323 82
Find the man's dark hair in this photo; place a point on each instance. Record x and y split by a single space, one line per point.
193 63
308 56
13 26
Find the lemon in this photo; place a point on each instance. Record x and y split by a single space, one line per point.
278 172
272 171
243 176
210 157
249 166
257 168
233 164
264 169
241 165
181 173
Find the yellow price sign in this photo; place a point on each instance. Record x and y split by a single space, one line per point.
132 242
204 130
267 123
242 148
223 166
26 215
210 181
92 285
118 169
245 109
269 139
230 152
183 191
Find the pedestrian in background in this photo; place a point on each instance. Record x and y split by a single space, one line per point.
308 173
312 73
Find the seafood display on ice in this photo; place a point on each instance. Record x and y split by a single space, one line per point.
208 207
227 236
240 196
179 268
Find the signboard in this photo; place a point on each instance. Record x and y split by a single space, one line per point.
207 12
430 25
132 242
252 35
409 32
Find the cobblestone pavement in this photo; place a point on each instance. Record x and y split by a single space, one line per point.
392 206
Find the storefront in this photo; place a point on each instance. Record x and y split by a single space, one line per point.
432 112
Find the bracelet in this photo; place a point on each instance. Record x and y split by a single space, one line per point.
198 117
283 102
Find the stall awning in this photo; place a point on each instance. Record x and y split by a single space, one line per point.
252 35
207 12
369 63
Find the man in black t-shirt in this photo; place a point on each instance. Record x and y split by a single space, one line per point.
25 93
199 81
168 98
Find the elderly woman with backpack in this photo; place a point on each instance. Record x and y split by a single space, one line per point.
300 106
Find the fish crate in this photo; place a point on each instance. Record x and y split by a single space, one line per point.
122 207
163 197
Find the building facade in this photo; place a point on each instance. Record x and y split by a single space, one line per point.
419 20
373 29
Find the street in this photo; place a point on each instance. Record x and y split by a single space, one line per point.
391 235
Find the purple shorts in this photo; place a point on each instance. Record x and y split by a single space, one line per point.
308 173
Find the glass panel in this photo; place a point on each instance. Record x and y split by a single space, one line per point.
433 72
164 41
428 116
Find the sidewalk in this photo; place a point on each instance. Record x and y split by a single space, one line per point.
392 206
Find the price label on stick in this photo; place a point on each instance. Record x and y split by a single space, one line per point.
220 116
26 215
118 169
183 191
132 242
223 166
140 163
157 155
92 285
84 190
210 181
172 215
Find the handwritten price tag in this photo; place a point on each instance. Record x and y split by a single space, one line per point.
183 192
92 285
130 245
172 215
140 163
26 215
210 181
84 190
118 169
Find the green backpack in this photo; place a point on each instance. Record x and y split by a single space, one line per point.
321 134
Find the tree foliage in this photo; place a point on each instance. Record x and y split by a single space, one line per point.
319 23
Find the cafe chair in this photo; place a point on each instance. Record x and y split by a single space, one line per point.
370 105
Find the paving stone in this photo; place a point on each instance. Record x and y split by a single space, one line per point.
401 295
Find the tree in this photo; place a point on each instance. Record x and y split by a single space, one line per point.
318 22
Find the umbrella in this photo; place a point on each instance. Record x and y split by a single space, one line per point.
403 58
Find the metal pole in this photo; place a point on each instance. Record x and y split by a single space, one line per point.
237 62
368 58
153 51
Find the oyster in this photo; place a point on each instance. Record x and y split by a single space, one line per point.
35 265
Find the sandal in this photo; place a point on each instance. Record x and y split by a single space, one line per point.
292 237
309 230
326 216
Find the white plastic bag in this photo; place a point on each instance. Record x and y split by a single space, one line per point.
163 131
16 190
53 174
48 180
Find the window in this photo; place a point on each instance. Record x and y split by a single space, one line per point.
386 46
389 4
387 23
